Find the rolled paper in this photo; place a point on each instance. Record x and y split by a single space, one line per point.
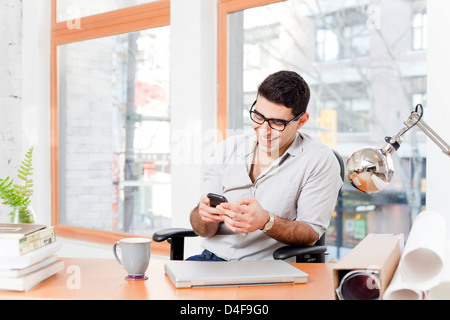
422 262
441 291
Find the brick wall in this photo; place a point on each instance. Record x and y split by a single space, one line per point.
86 99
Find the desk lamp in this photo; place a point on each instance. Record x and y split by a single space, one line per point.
371 170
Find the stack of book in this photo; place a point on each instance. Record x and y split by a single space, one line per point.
28 255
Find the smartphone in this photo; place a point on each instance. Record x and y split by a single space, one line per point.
215 199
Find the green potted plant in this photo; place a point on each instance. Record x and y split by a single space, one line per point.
16 196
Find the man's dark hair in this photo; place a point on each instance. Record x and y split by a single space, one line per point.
287 88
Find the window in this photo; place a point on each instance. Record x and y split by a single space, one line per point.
350 99
111 120
419 26
342 34
418 90
357 100
327 45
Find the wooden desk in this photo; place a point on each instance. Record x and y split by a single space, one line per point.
103 279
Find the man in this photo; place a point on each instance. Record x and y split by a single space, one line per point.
281 185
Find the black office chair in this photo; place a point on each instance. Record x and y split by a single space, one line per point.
315 253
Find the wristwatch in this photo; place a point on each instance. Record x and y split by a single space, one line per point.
269 223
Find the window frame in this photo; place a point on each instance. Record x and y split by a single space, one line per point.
140 17
224 7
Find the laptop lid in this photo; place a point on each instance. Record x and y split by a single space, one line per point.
187 274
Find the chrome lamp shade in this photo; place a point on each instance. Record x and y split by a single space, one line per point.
370 169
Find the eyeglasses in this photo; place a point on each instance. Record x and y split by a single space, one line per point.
275 124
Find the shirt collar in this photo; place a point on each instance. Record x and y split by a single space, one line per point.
296 146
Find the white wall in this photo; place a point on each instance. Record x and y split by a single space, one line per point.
193 103
438 117
25 95
36 99
10 89
193 99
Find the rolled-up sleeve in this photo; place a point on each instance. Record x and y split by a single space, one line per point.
318 196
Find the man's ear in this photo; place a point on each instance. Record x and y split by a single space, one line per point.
303 119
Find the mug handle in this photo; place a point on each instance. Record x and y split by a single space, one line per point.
117 243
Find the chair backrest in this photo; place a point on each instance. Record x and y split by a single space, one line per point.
341 164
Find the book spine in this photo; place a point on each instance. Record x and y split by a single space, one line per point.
37 240
36 244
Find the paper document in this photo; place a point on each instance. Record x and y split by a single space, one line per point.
423 261
441 291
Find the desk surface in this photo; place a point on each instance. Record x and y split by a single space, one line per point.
103 279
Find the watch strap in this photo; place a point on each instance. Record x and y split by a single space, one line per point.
269 223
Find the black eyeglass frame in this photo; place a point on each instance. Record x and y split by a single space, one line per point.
285 122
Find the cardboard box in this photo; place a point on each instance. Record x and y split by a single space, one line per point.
377 252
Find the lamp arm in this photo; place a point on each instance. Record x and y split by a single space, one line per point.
393 143
415 119
434 137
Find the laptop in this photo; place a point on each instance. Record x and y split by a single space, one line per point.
191 274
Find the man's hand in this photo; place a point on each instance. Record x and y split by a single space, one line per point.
245 216
208 213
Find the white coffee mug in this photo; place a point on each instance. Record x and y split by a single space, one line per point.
135 256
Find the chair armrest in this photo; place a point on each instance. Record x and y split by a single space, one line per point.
294 251
175 236
165 234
